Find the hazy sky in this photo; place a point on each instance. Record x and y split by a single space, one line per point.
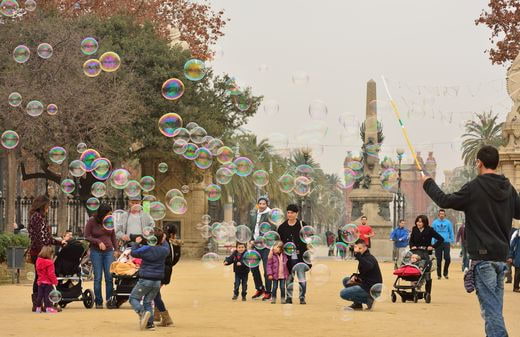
431 53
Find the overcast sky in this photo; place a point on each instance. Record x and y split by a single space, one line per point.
431 53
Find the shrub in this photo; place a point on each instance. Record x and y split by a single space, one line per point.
11 240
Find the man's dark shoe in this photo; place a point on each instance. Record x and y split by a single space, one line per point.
150 327
356 306
370 303
244 299
234 298
288 301
99 306
517 290
446 277
302 301
438 277
258 294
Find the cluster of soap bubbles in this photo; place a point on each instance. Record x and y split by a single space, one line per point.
107 62
11 8
22 53
33 108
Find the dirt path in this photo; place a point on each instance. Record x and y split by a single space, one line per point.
200 301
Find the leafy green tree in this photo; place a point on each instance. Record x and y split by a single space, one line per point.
486 130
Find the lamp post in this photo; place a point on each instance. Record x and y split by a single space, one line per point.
399 197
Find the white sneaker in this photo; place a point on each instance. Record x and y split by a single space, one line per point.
143 319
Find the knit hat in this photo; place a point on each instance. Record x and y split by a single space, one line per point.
266 199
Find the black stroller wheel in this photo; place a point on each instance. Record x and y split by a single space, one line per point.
394 297
88 299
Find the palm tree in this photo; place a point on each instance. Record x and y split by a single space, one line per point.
486 130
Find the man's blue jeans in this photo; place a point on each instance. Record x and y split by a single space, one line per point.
257 277
101 261
355 294
145 290
489 283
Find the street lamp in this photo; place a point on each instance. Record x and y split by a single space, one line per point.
399 197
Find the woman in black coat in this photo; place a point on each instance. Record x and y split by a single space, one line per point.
161 314
421 239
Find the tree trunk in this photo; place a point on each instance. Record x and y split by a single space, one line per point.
11 191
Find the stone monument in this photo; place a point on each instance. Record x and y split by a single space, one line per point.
510 152
371 199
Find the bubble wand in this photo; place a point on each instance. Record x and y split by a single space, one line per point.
405 132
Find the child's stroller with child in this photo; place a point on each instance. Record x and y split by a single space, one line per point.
412 276
125 274
70 277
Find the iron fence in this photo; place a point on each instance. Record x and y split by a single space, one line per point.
76 212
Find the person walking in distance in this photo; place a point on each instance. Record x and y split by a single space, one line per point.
490 204
461 237
365 231
258 218
400 237
444 227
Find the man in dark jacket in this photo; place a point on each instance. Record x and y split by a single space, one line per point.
151 274
490 203
289 231
256 220
357 287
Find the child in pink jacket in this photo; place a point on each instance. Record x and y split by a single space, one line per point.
277 271
46 279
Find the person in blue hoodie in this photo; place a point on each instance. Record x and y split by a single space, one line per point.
400 236
151 273
444 227
514 258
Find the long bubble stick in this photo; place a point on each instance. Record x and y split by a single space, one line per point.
405 132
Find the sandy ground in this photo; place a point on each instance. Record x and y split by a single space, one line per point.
200 301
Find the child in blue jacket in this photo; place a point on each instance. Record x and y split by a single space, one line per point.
151 274
514 258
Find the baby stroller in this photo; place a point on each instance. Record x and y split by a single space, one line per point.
411 278
125 275
70 277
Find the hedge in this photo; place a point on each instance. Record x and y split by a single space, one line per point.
10 240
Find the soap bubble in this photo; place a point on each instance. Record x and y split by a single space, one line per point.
270 239
88 157
389 179
172 89
214 145
244 166
251 258
55 296
191 125
10 139
52 109
302 186
276 216
191 151
173 193
157 210
300 269
300 78
242 101
57 154
178 205
309 256
15 99
110 62
92 204
289 248
21 54
147 183
108 223
92 68
306 233
180 146
30 5
194 70
119 178
271 107
211 260
261 178
162 167
223 175
203 159
318 110
67 186
206 219
44 50
81 147
197 134
264 227
349 233
9 8
77 168
243 234
182 133
225 155
168 123
286 183
213 192
30 276
98 189
259 243
378 292
34 108
102 168
132 188
185 189
89 46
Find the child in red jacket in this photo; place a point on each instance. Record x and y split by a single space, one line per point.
277 271
46 279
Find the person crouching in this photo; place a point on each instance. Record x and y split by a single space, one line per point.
150 275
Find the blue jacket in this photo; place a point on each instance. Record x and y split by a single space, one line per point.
152 267
514 250
400 236
445 229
